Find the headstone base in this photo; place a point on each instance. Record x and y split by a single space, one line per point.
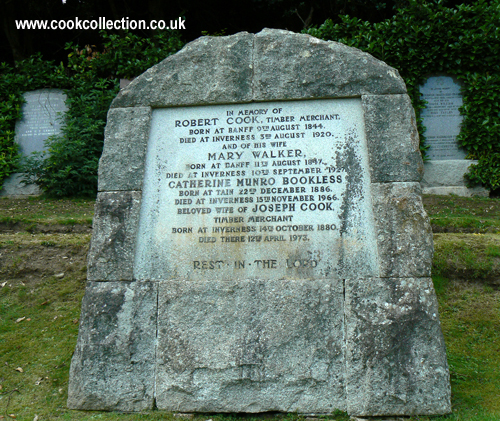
306 346
13 187
457 191
447 177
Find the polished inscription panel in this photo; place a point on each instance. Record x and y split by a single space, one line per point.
442 118
261 190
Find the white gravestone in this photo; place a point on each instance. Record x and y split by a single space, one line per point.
41 118
442 118
444 172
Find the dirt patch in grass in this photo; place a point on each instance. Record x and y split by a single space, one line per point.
47 228
468 257
29 258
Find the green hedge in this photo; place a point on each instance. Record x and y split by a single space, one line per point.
428 38
91 81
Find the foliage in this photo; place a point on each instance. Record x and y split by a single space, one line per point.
123 56
480 132
429 38
9 157
91 82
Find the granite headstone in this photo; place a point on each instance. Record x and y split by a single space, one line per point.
42 114
259 239
442 118
444 172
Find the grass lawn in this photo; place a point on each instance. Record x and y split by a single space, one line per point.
42 281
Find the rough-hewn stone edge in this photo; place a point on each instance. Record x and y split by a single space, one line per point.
113 367
396 356
392 138
298 66
208 70
404 235
121 166
112 248
212 70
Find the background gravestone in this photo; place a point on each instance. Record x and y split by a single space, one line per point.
41 118
442 118
444 172
259 239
